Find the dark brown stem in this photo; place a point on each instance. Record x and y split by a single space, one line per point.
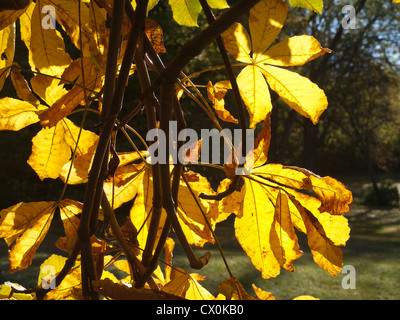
150 104
232 78
195 46
125 246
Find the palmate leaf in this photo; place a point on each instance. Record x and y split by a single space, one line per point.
268 208
265 22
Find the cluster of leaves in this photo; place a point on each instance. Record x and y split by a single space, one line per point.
269 203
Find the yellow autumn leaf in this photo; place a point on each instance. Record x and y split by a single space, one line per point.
265 22
237 42
84 153
305 297
48 89
50 152
283 238
16 114
294 51
261 294
259 155
186 285
297 91
315 5
69 211
22 88
336 199
169 248
229 204
7 292
124 186
191 214
71 99
7 48
8 17
325 253
140 213
70 287
72 19
255 94
27 224
284 175
99 41
216 95
335 228
49 269
253 226
121 291
232 289
47 52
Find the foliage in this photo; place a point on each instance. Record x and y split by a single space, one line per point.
388 195
116 43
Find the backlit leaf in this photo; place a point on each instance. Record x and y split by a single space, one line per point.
27 224
266 21
47 52
237 42
69 211
48 89
218 4
116 291
294 51
125 184
155 35
283 238
22 88
65 104
216 95
261 294
84 154
49 152
315 5
325 254
17 114
232 289
67 15
7 39
297 91
185 12
253 226
142 208
186 286
7 17
255 94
